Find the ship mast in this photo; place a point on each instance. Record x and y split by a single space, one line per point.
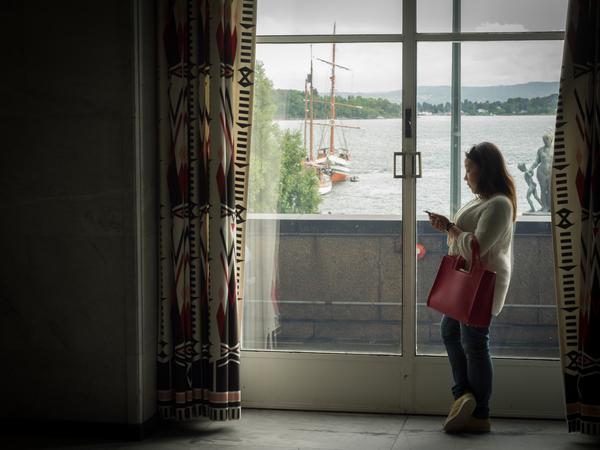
309 112
332 124
305 111
332 114
332 99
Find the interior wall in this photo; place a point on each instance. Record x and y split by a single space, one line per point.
76 323
145 112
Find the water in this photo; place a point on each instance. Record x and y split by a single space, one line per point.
372 147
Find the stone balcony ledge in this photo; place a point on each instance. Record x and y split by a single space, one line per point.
339 278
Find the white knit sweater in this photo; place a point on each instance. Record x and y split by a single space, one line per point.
491 222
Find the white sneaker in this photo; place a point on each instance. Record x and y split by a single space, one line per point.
460 413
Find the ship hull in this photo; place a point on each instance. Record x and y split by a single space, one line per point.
337 177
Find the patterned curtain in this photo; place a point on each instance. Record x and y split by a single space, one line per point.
206 63
576 216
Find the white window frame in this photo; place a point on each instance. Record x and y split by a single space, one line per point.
406 383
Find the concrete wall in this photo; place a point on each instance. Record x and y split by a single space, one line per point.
339 288
75 237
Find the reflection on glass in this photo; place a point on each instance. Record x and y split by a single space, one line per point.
504 101
320 274
317 16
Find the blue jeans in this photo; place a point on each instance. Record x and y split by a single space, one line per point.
469 355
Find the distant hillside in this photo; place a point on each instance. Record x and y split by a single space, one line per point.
441 94
290 105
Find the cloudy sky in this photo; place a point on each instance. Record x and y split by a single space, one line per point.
378 67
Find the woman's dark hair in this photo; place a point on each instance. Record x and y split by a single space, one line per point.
493 176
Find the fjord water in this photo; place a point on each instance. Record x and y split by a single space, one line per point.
373 144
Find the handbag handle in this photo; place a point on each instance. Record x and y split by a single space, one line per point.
475 257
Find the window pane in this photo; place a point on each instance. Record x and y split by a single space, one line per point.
435 16
367 106
513 15
521 104
508 100
510 64
318 17
433 125
323 273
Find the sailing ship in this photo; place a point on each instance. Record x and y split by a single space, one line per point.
332 164
323 173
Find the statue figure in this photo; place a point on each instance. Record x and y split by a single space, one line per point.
543 162
531 186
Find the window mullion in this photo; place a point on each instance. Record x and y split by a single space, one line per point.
455 140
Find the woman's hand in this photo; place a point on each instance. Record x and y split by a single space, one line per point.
438 221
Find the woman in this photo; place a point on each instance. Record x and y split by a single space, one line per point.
489 217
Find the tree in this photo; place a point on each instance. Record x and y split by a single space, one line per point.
279 182
264 156
299 187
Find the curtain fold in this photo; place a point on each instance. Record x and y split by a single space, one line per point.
206 70
261 309
576 216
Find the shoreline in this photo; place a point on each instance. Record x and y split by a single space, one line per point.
418 115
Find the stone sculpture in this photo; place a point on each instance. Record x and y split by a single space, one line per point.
543 163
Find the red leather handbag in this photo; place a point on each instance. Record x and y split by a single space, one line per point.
464 295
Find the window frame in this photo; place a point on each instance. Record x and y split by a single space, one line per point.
407 383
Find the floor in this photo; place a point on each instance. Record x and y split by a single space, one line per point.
274 430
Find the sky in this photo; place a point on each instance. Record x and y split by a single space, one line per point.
378 67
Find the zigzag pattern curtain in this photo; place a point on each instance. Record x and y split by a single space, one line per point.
206 62
576 216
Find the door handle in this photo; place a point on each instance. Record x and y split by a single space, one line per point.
402 156
417 166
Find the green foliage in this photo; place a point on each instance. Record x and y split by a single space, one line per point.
290 105
441 108
512 106
264 161
299 187
278 181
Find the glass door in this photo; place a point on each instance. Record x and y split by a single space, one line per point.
324 227
519 127
487 86
323 312
340 256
